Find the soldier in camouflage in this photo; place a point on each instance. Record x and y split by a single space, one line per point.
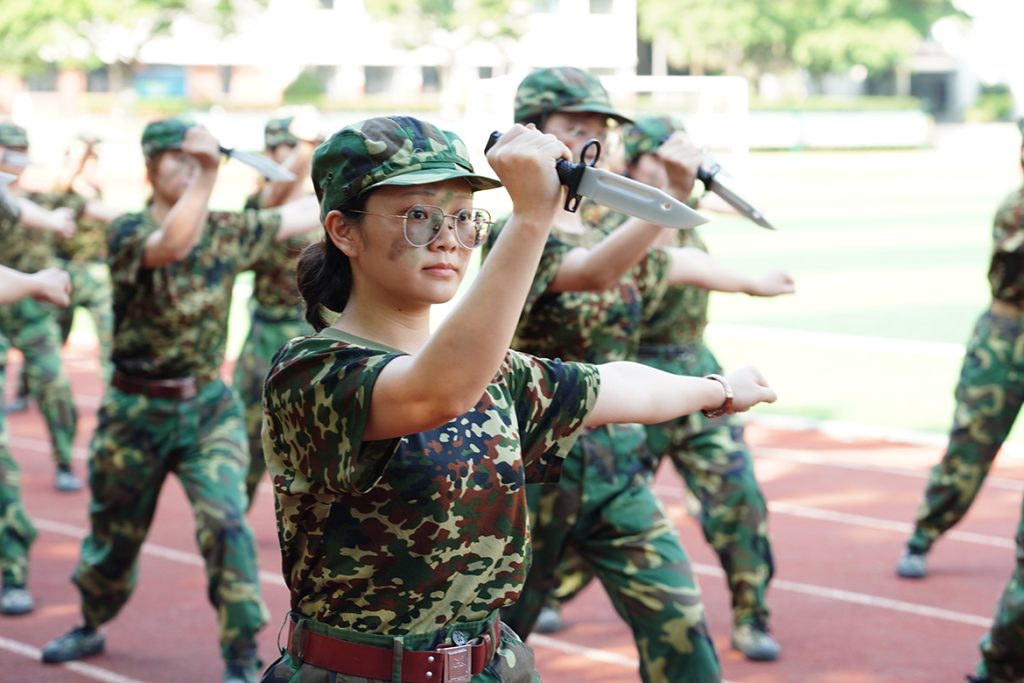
29 325
590 295
399 455
167 410
989 396
16 529
276 306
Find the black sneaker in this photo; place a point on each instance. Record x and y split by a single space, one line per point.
78 643
16 600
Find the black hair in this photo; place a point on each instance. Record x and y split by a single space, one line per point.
324 273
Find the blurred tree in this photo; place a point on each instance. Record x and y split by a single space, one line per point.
822 36
88 33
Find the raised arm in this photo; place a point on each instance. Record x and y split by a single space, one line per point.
298 216
297 161
60 221
599 267
692 266
449 373
51 285
633 392
182 225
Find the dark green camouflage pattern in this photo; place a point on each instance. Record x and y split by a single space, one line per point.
512 662
23 248
561 88
31 327
1002 648
388 150
276 133
172 321
410 535
89 243
1006 272
91 289
646 134
12 135
603 507
988 399
16 530
138 442
164 134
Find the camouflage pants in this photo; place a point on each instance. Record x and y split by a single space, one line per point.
91 290
264 340
988 398
16 530
512 661
137 443
1002 648
604 510
31 327
715 463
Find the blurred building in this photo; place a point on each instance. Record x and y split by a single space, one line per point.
336 47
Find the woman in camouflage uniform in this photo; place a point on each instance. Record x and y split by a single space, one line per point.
167 410
16 530
399 457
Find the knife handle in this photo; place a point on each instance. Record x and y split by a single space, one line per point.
569 174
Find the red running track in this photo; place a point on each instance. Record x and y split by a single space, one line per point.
841 509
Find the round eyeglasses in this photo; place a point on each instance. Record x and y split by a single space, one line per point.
423 223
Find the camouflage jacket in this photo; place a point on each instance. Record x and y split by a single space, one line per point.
24 248
172 321
593 327
409 535
1006 272
275 290
89 243
681 314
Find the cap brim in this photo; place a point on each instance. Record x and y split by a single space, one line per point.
596 109
426 176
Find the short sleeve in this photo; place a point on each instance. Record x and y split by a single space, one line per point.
126 242
552 400
243 238
316 403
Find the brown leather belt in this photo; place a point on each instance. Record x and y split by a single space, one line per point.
1005 309
447 664
179 388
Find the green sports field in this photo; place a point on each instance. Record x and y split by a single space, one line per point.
890 252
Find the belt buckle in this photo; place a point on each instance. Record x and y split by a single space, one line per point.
458 664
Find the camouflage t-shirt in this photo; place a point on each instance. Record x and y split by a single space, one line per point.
172 321
89 243
24 248
409 535
275 289
1006 272
593 327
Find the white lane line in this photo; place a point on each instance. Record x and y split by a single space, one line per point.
861 599
87 670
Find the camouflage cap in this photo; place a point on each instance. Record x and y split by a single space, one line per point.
164 134
389 150
562 88
647 133
12 135
276 133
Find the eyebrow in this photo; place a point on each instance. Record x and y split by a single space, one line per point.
430 192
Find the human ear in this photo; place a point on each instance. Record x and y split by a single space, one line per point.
342 233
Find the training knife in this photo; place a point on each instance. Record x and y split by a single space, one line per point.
707 174
618 192
268 168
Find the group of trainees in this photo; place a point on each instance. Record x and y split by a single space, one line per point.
433 489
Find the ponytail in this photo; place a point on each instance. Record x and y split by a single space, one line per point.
324 276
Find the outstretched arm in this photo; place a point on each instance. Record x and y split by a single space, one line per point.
690 266
633 392
60 221
51 285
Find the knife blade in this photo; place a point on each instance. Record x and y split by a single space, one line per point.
706 174
268 168
618 192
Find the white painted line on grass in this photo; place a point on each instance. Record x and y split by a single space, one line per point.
87 670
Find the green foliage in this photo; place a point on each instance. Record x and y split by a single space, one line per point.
823 36
422 22
305 89
995 103
829 103
66 32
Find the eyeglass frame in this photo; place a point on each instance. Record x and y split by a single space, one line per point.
405 218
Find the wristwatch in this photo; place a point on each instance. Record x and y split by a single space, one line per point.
726 407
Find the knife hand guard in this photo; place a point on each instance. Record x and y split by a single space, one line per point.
570 174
